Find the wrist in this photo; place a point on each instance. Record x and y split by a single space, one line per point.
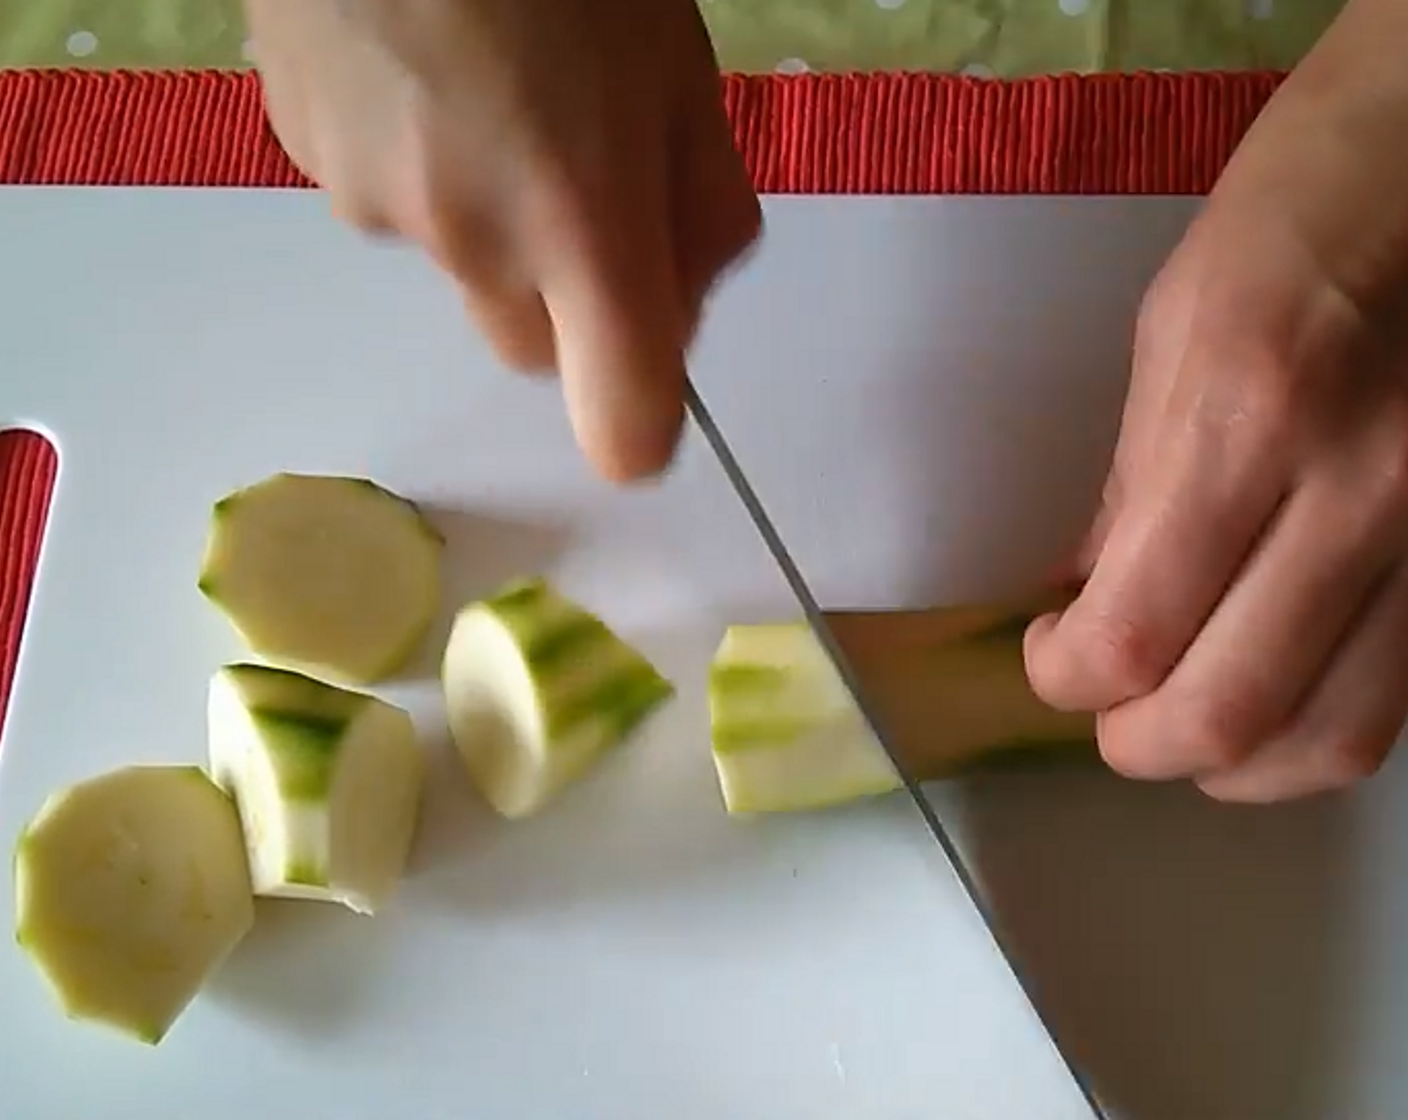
1322 167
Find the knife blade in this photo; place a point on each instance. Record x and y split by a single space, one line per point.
817 620
949 684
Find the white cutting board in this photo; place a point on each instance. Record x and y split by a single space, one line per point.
923 391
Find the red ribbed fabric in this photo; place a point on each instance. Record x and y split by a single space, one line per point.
804 134
27 469
827 133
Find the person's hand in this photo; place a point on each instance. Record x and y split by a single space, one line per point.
1244 622
567 162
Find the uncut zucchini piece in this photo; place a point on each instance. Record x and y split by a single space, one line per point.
131 889
536 689
949 686
333 575
327 782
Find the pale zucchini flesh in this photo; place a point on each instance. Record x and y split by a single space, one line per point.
786 734
131 890
536 689
327 782
336 576
788 737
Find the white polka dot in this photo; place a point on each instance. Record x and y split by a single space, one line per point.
247 50
1075 7
977 70
1261 9
793 66
889 5
81 44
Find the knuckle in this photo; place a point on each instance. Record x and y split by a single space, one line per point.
1127 656
1273 398
516 326
560 205
362 216
525 354
1151 329
449 235
1224 728
1354 758
746 223
1391 466
1160 303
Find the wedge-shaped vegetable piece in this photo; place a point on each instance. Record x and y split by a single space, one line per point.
536 689
949 686
131 890
333 575
327 781
786 733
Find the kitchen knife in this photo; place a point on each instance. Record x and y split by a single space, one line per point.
818 621
949 685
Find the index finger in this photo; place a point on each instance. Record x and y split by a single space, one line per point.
611 285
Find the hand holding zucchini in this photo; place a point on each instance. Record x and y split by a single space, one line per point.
948 685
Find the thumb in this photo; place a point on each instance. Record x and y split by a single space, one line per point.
1050 663
611 287
1070 574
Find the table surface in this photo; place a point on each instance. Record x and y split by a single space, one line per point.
1005 38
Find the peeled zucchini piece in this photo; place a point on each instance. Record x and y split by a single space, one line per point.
948 685
327 781
536 689
786 733
332 575
131 889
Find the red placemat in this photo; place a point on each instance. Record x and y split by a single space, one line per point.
827 134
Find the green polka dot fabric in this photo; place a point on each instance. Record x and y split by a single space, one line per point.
1002 38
